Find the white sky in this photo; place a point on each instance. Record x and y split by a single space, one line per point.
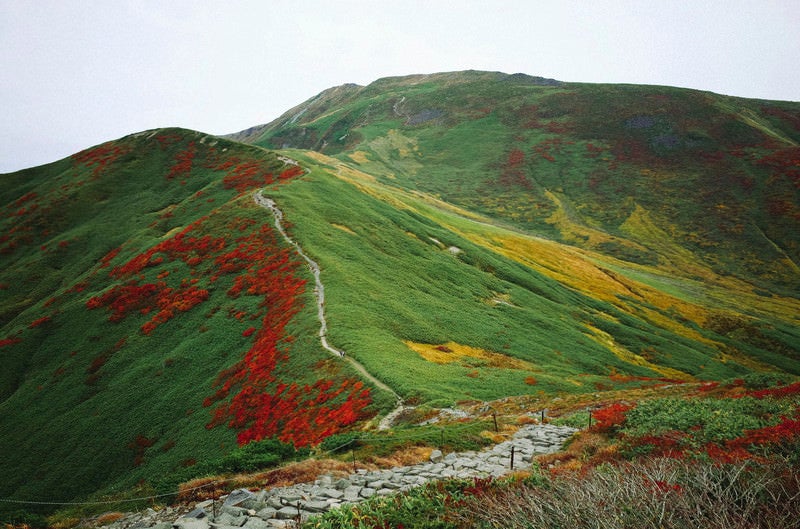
75 73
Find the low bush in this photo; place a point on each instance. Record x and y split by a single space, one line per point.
657 493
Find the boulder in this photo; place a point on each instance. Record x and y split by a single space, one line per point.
255 523
366 492
191 523
197 513
316 506
352 493
342 484
286 513
266 513
238 496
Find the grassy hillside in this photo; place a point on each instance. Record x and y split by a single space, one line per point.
145 299
691 181
479 236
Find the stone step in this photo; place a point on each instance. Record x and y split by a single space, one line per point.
279 507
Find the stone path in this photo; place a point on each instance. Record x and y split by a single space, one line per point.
281 507
319 294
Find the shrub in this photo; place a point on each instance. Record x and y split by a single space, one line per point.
611 417
657 493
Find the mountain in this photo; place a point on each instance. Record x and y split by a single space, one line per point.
478 235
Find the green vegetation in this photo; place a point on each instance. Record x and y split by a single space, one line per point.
457 437
660 493
723 455
479 236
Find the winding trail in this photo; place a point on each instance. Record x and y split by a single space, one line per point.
319 294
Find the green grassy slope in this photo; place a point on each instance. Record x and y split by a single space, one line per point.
479 236
126 310
404 268
583 164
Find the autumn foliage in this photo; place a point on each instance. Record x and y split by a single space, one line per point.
100 157
610 417
251 396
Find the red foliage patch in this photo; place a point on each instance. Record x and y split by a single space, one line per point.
546 148
11 340
247 175
262 405
122 299
183 162
513 172
785 162
139 445
38 322
291 172
183 246
610 417
107 258
786 431
777 392
100 157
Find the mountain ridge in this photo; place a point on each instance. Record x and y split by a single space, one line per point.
480 235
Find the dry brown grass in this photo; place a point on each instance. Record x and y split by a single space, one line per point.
108 518
304 471
404 457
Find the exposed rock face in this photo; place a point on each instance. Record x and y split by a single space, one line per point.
275 508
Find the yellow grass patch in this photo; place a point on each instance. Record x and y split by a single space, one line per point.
571 230
343 228
500 299
359 157
453 352
630 357
174 231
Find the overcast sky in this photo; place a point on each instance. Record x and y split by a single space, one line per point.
78 73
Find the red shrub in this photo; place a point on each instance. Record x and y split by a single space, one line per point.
100 157
40 321
610 417
183 162
778 392
247 175
11 340
786 431
291 172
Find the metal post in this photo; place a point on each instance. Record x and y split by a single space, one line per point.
494 416
512 457
353 454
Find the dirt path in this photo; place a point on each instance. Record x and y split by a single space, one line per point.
319 294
